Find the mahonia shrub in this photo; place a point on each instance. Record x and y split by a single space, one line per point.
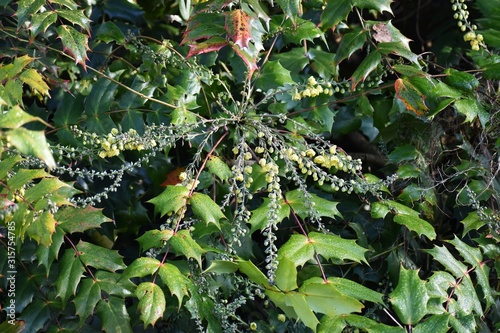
233 166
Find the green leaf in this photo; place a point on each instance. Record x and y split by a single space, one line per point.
75 219
154 238
300 249
472 222
325 298
109 32
42 228
335 12
434 324
400 49
32 78
25 176
219 168
302 206
100 257
371 326
368 65
114 315
355 290
86 299
31 143
151 302
70 273
322 62
404 153
8 163
222 267
461 80
473 256
291 8
75 16
254 274
27 8
141 267
351 42
410 96
46 187
286 275
409 298
273 75
171 200
472 109
183 242
379 5
303 310
65 3
113 284
75 43
177 283
35 315
9 327
205 208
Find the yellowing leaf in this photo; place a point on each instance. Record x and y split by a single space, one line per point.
410 96
31 143
32 78
219 168
239 27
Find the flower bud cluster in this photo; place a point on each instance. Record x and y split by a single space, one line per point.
314 89
462 16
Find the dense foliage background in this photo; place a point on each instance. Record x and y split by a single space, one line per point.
234 166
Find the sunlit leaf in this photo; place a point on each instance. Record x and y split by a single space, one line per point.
27 8
273 75
205 208
472 109
434 324
152 302
73 219
141 267
260 216
31 143
42 228
41 21
16 117
219 168
171 200
286 275
238 27
303 206
211 45
154 238
299 304
379 5
75 16
410 96
183 242
410 297
177 283
75 43
221 267
32 78
351 42
355 290
291 8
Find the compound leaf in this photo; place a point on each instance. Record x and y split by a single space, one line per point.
154 238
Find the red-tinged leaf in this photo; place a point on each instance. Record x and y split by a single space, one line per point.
75 43
152 302
203 26
239 27
75 219
211 45
249 57
410 96
27 8
42 228
70 273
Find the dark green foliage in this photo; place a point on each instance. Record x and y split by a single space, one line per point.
233 166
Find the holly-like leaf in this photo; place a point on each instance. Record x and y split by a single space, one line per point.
114 315
368 65
42 228
109 32
259 218
291 8
211 45
76 17
70 273
76 219
325 298
154 238
17 326
35 315
74 42
410 297
302 205
218 167
472 222
205 208
183 242
248 55
370 325
46 187
303 310
239 27
152 302
112 284
379 5
400 49
16 117
472 109
27 8
273 75
355 290
461 80
171 200
254 274
221 267
31 143
100 257
410 96
351 42
177 283
286 275
41 21
335 12
434 324
86 299
403 215
141 267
